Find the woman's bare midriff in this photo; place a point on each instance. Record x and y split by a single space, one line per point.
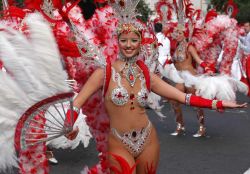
185 65
123 119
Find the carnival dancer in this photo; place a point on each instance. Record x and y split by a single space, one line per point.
126 83
195 50
183 58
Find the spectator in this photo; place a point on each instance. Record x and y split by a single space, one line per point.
245 40
164 44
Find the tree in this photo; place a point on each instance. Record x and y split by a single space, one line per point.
144 10
243 6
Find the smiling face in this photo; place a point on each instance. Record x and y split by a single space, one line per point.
179 34
129 44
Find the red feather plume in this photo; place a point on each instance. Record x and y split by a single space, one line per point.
125 168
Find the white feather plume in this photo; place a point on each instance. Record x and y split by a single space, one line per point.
221 87
36 73
169 71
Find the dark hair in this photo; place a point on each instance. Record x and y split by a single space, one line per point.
158 27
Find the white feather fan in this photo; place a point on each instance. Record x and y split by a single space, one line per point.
83 136
35 73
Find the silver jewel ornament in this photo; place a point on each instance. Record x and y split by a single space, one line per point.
131 75
120 96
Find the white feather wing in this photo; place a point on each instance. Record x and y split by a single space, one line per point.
36 73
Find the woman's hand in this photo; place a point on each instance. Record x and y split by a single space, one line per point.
72 135
230 104
209 72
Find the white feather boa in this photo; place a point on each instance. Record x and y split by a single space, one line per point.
221 87
35 73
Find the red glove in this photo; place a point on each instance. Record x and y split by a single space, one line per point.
200 102
207 68
203 65
68 120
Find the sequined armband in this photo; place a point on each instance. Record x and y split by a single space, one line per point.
187 99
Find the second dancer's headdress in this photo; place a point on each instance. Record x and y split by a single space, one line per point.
180 10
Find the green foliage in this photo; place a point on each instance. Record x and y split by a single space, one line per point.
144 10
17 2
243 6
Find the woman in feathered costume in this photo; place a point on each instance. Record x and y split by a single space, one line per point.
190 39
119 90
130 136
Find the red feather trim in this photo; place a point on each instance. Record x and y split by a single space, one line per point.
108 76
231 9
146 73
169 6
189 10
14 12
151 169
33 5
66 47
125 168
210 15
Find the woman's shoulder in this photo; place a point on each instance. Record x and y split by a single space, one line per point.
190 44
116 64
99 72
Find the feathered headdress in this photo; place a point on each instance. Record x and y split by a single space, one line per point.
180 10
125 11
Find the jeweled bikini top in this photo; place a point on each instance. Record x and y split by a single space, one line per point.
180 53
120 95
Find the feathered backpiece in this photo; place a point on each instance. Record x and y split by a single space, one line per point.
126 13
181 12
164 10
179 8
186 16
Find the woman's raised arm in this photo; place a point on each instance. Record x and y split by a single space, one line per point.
94 83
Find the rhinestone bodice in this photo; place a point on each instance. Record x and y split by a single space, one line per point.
180 53
120 96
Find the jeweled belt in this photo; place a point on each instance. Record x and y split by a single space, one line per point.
134 140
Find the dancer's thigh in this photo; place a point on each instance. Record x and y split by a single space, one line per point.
117 148
149 158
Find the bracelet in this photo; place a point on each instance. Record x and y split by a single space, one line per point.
214 104
187 99
76 109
